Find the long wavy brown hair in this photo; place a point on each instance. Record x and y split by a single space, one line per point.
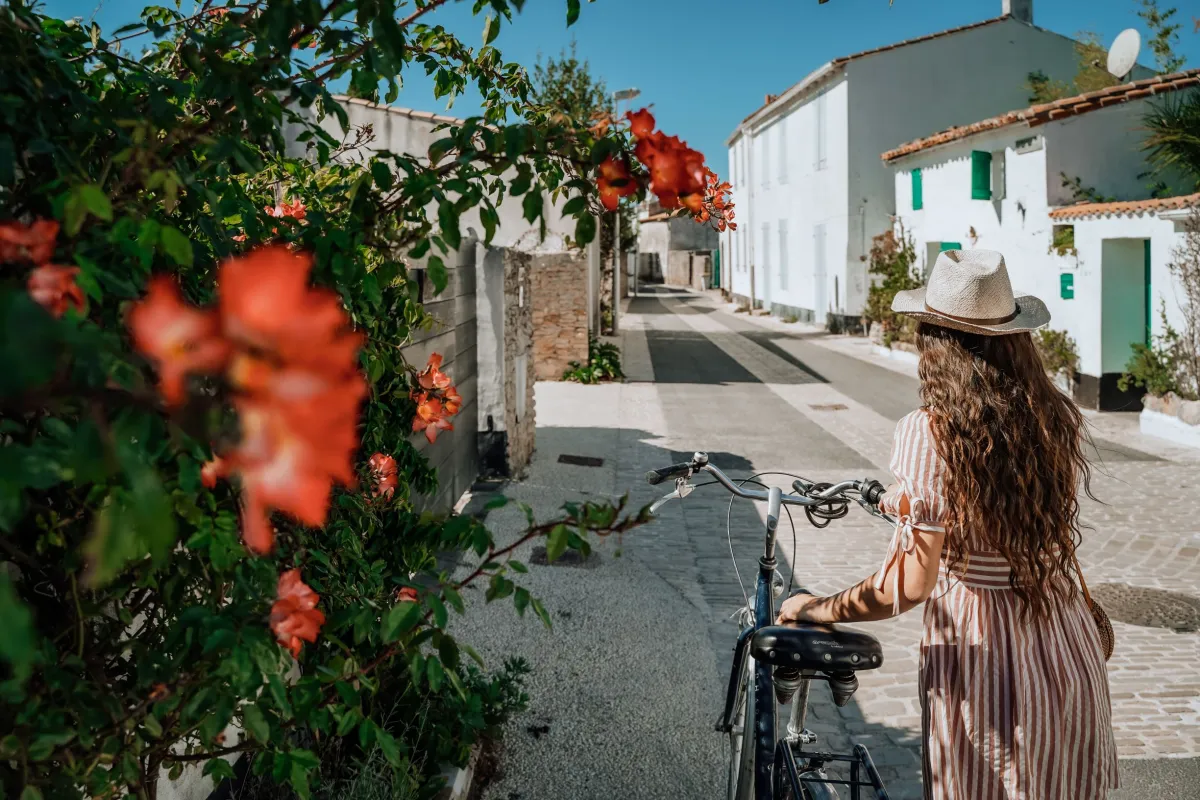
1012 445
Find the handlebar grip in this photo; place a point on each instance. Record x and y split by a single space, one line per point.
872 492
680 470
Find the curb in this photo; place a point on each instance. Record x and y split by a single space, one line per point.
1165 426
459 779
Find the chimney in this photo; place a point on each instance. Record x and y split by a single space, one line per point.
1019 9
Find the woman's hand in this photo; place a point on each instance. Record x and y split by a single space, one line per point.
795 608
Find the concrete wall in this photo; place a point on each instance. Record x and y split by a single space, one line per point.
401 130
558 298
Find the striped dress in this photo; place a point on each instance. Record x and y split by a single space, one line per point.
1011 710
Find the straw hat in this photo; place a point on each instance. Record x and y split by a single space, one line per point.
969 290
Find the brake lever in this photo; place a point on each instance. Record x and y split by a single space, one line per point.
682 489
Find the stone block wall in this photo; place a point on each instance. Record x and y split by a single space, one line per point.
518 361
679 268
559 296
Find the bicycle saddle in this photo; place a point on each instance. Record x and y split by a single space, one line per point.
825 648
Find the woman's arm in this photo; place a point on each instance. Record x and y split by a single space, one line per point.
863 602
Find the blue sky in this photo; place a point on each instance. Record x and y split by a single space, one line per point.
705 64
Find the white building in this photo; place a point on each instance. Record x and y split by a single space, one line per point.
1013 183
808 185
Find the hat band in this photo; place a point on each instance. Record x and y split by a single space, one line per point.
975 321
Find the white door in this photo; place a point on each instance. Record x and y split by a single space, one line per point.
820 302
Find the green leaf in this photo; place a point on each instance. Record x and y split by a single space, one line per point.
435 672
86 199
585 230
176 245
18 642
438 274
153 726
219 769
31 793
540 610
388 746
491 29
448 221
572 12
521 601
400 619
382 174
255 722
532 205
574 206
556 542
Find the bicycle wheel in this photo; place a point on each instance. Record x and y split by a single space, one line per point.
741 747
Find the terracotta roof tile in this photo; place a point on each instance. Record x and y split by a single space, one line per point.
837 62
1128 207
1059 109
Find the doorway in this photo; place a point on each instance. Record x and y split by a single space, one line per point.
819 289
1125 315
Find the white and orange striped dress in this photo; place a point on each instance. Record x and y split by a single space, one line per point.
1011 709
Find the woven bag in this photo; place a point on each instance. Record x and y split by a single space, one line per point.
1108 639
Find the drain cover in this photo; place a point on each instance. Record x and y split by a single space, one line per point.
828 407
1149 608
581 461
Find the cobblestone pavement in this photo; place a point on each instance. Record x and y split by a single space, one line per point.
761 396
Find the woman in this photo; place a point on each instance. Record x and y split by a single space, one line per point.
1014 692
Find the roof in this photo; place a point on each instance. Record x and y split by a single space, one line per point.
1127 208
838 62
1049 112
426 116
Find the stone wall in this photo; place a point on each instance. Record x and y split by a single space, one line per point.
519 361
559 296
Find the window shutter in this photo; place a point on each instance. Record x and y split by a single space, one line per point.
918 199
944 246
981 175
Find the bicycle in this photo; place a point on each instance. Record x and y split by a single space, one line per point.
782 660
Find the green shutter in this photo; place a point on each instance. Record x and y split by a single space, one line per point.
1147 292
918 196
943 246
981 175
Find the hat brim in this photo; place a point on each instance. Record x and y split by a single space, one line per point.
1031 314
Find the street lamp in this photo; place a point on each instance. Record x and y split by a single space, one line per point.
618 96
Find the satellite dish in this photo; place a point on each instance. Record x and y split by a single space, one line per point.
1122 56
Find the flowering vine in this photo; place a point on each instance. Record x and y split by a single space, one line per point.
437 400
286 352
51 286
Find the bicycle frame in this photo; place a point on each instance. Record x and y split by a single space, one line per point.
774 760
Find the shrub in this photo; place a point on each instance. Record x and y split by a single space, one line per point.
604 364
1162 367
207 484
893 257
1058 351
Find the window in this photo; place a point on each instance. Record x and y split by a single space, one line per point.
766 250
764 159
781 148
819 109
918 198
783 256
981 175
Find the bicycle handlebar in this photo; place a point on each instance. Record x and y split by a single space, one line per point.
870 490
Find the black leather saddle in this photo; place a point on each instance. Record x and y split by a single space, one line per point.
826 648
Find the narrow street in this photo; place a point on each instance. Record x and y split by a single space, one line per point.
625 689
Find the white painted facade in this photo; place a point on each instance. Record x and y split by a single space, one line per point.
1103 308
809 188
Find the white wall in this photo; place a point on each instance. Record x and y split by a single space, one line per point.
1090 237
914 91
1084 147
800 193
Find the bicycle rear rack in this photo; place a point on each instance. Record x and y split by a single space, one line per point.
859 761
